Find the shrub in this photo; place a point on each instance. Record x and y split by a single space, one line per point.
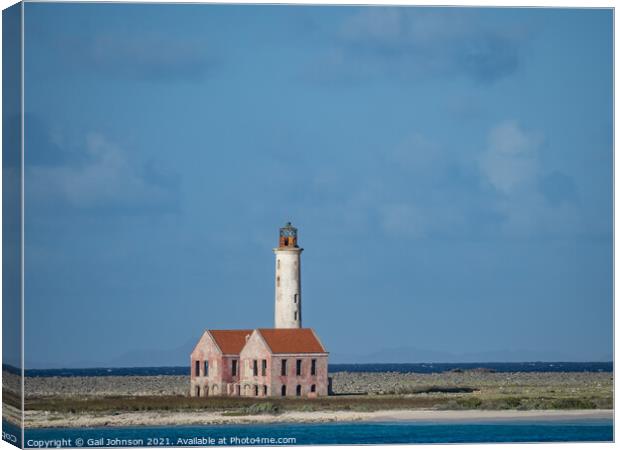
450 404
307 408
254 409
469 403
432 390
573 403
512 402
263 408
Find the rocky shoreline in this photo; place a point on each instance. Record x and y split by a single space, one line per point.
343 383
162 400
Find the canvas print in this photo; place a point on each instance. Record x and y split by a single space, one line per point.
233 224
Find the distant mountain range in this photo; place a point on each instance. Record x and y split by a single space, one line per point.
179 356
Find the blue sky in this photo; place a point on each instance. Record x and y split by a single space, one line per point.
450 171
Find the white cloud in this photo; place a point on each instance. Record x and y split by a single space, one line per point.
422 188
416 43
106 178
510 161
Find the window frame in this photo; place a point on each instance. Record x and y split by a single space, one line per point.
283 367
298 367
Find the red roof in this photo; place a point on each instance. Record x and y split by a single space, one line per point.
230 341
291 340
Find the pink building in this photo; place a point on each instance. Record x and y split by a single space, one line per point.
215 362
285 361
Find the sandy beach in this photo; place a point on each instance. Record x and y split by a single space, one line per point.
40 419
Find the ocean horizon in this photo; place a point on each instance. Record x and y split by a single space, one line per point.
531 366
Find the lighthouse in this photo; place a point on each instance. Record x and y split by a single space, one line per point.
284 361
288 279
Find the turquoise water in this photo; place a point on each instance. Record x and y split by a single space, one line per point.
306 434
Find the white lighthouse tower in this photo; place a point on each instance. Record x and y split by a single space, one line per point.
288 279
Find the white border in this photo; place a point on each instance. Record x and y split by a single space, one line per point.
463 3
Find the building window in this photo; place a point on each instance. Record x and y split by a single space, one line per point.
298 367
313 367
197 368
206 368
264 367
298 390
265 390
197 391
255 368
313 388
283 390
295 315
296 298
278 281
283 372
234 368
256 390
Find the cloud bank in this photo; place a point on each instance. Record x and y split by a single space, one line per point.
419 43
98 176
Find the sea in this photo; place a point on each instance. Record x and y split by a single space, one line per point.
536 366
315 434
567 430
